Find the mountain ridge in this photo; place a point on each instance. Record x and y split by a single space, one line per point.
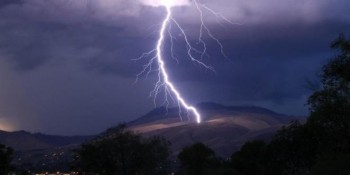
160 118
23 140
224 129
206 108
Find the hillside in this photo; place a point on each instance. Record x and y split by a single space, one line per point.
224 128
42 152
208 109
24 141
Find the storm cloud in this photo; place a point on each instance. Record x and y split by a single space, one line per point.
67 65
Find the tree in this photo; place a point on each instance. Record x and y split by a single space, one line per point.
125 153
299 147
291 151
322 144
5 159
330 113
330 106
337 164
249 160
196 158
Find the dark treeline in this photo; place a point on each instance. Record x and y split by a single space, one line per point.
5 159
124 152
320 146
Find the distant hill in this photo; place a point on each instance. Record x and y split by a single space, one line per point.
208 109
224 128
41 152
23 141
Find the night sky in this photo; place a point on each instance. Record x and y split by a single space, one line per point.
66 66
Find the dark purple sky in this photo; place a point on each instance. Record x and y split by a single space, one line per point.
66 65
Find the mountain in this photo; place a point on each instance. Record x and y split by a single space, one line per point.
23 141
208 109
40 152
224 128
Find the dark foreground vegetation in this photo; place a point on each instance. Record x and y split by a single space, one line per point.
5 159
320 146
124 152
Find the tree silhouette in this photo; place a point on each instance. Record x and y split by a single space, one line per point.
322 144
249 160
330 106
291 151
196 158
336 164
5 159
330 109
122 152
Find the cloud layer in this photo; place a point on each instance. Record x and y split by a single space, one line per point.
169 3
66 65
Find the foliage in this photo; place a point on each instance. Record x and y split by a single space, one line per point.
330 106
125 153
194 159
335 164
291 151
249 159
5 159
322 144
220 167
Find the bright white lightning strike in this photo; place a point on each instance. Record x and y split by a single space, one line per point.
163 71
157 56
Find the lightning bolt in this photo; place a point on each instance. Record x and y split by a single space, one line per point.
163 73
157 57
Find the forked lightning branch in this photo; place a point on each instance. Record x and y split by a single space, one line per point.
156 56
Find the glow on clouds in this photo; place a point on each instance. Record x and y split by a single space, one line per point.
168 3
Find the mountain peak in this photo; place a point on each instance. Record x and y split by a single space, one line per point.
210 105
208 109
